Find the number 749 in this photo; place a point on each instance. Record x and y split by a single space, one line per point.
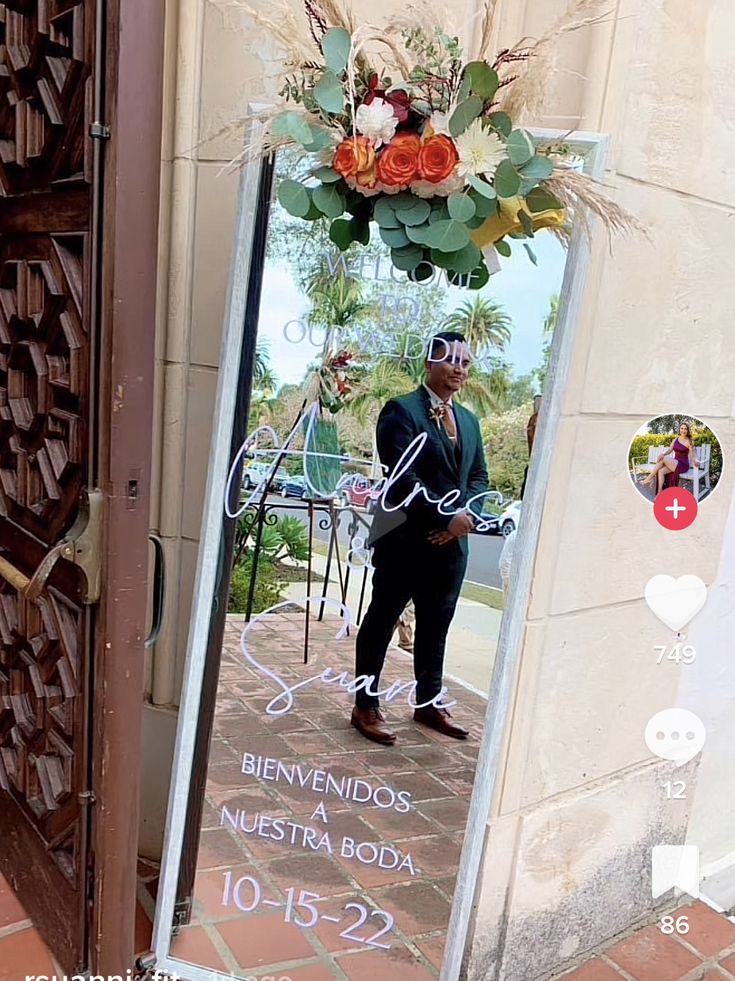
683 653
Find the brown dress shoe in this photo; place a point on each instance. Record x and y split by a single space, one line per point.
371 723
441 720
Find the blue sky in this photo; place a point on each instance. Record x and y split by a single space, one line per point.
522 288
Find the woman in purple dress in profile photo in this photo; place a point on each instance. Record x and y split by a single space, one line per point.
669 469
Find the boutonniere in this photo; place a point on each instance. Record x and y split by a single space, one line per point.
437 412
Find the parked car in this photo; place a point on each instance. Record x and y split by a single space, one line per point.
500 524
256 472
293 486
509 518
488 525
359 491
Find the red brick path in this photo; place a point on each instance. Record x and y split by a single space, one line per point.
437 772
706 952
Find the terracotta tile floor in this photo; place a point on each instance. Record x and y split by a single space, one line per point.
706 952
437 773
23 952
316 734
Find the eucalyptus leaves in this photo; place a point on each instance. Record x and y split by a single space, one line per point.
430 159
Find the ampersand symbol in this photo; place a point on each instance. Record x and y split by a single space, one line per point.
358 557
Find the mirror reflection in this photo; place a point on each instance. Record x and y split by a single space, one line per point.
377 495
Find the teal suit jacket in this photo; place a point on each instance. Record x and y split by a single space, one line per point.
438 468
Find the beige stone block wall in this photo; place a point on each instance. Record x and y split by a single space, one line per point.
581 801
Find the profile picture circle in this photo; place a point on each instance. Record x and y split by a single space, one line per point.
675 450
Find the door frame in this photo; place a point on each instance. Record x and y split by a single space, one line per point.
131 45
594 148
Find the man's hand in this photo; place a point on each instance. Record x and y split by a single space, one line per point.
460 525
441 537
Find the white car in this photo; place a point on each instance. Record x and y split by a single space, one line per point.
509 519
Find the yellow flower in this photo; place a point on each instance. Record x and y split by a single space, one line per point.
507 220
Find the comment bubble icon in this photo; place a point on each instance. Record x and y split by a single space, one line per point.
675 734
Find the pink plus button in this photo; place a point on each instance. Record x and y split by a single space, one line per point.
675 508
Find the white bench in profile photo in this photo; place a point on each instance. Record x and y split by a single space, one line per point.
700 479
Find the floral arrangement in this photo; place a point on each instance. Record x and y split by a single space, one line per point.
421 141
335 379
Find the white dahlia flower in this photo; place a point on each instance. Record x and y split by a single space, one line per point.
480 151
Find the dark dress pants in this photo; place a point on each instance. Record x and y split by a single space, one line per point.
430 575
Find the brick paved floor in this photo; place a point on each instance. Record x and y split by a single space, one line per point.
437 772
706 952
22 950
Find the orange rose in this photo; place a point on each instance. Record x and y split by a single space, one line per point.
437 158
398 163
355 158
368 177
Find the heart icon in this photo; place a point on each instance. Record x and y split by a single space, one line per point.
676 601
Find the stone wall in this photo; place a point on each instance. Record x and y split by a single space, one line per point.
581 802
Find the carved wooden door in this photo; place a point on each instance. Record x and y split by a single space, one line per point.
49 511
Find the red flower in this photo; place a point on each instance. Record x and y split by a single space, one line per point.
399 99
342 359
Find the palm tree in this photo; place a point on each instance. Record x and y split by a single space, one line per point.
483 322
337 300
552 315
550 320
382 382
263 378
410 357
485 391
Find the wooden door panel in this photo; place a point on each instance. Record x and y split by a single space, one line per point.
44 94
41 668
46 188
44 380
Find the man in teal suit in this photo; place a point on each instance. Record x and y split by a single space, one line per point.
436 482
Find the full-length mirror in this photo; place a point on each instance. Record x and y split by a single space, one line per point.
388 382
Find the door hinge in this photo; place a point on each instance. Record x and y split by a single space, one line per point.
100 131
182 915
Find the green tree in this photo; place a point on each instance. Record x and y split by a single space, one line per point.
486 391
666 424
337 300
521 391
506 448
550 320
483 322
383 381
263 378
